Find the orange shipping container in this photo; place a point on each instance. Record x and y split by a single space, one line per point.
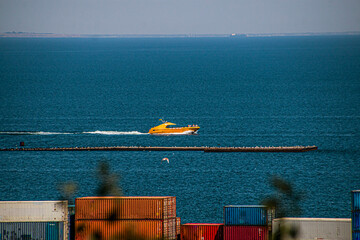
202 231
125 229
103 208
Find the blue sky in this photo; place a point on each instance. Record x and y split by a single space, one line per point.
179 16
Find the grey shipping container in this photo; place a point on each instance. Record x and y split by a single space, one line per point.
32 230
33 220
33 211
316 228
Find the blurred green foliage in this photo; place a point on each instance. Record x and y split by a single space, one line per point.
286 201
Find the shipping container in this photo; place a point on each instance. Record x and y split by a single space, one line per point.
103 208
356 235
202 231
355 200
355 221
178 225
246 233
32 230
71 209
244 215
33 211
126 229
316 228
271 214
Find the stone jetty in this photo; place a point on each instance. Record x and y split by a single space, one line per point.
170 149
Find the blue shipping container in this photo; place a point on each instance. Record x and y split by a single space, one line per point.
356 235
245 215
355 221
32 230
355 200
52 231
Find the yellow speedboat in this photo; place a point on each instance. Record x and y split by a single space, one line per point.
165 129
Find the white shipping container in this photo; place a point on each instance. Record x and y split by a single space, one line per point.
33 211
316 228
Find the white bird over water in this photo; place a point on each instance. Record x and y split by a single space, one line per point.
165 159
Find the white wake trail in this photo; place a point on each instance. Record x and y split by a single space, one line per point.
33 133
115 133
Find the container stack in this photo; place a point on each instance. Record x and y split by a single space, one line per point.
33 220
125 217
245 222
355 214
203 231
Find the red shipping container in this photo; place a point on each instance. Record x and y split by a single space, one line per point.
202 231
246 233
125 229
116 208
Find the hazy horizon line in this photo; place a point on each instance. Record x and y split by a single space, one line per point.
183 35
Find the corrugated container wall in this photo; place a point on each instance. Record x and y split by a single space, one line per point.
32 230
178 225
355 200
245 215
125 208
202 231
125 229
271 213
316 228
34 220
245 233
33 211
356 235
355 221
355 214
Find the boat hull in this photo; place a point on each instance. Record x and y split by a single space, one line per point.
175 131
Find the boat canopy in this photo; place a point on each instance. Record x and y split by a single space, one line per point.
164 125
169 123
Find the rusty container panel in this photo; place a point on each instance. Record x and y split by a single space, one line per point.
92 208
125 229
178 225
171 222
245 233
202 231
33 211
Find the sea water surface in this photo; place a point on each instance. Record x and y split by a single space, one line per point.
278 91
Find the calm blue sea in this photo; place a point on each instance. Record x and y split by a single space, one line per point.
278 91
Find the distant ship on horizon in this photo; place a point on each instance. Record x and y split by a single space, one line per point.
236 35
